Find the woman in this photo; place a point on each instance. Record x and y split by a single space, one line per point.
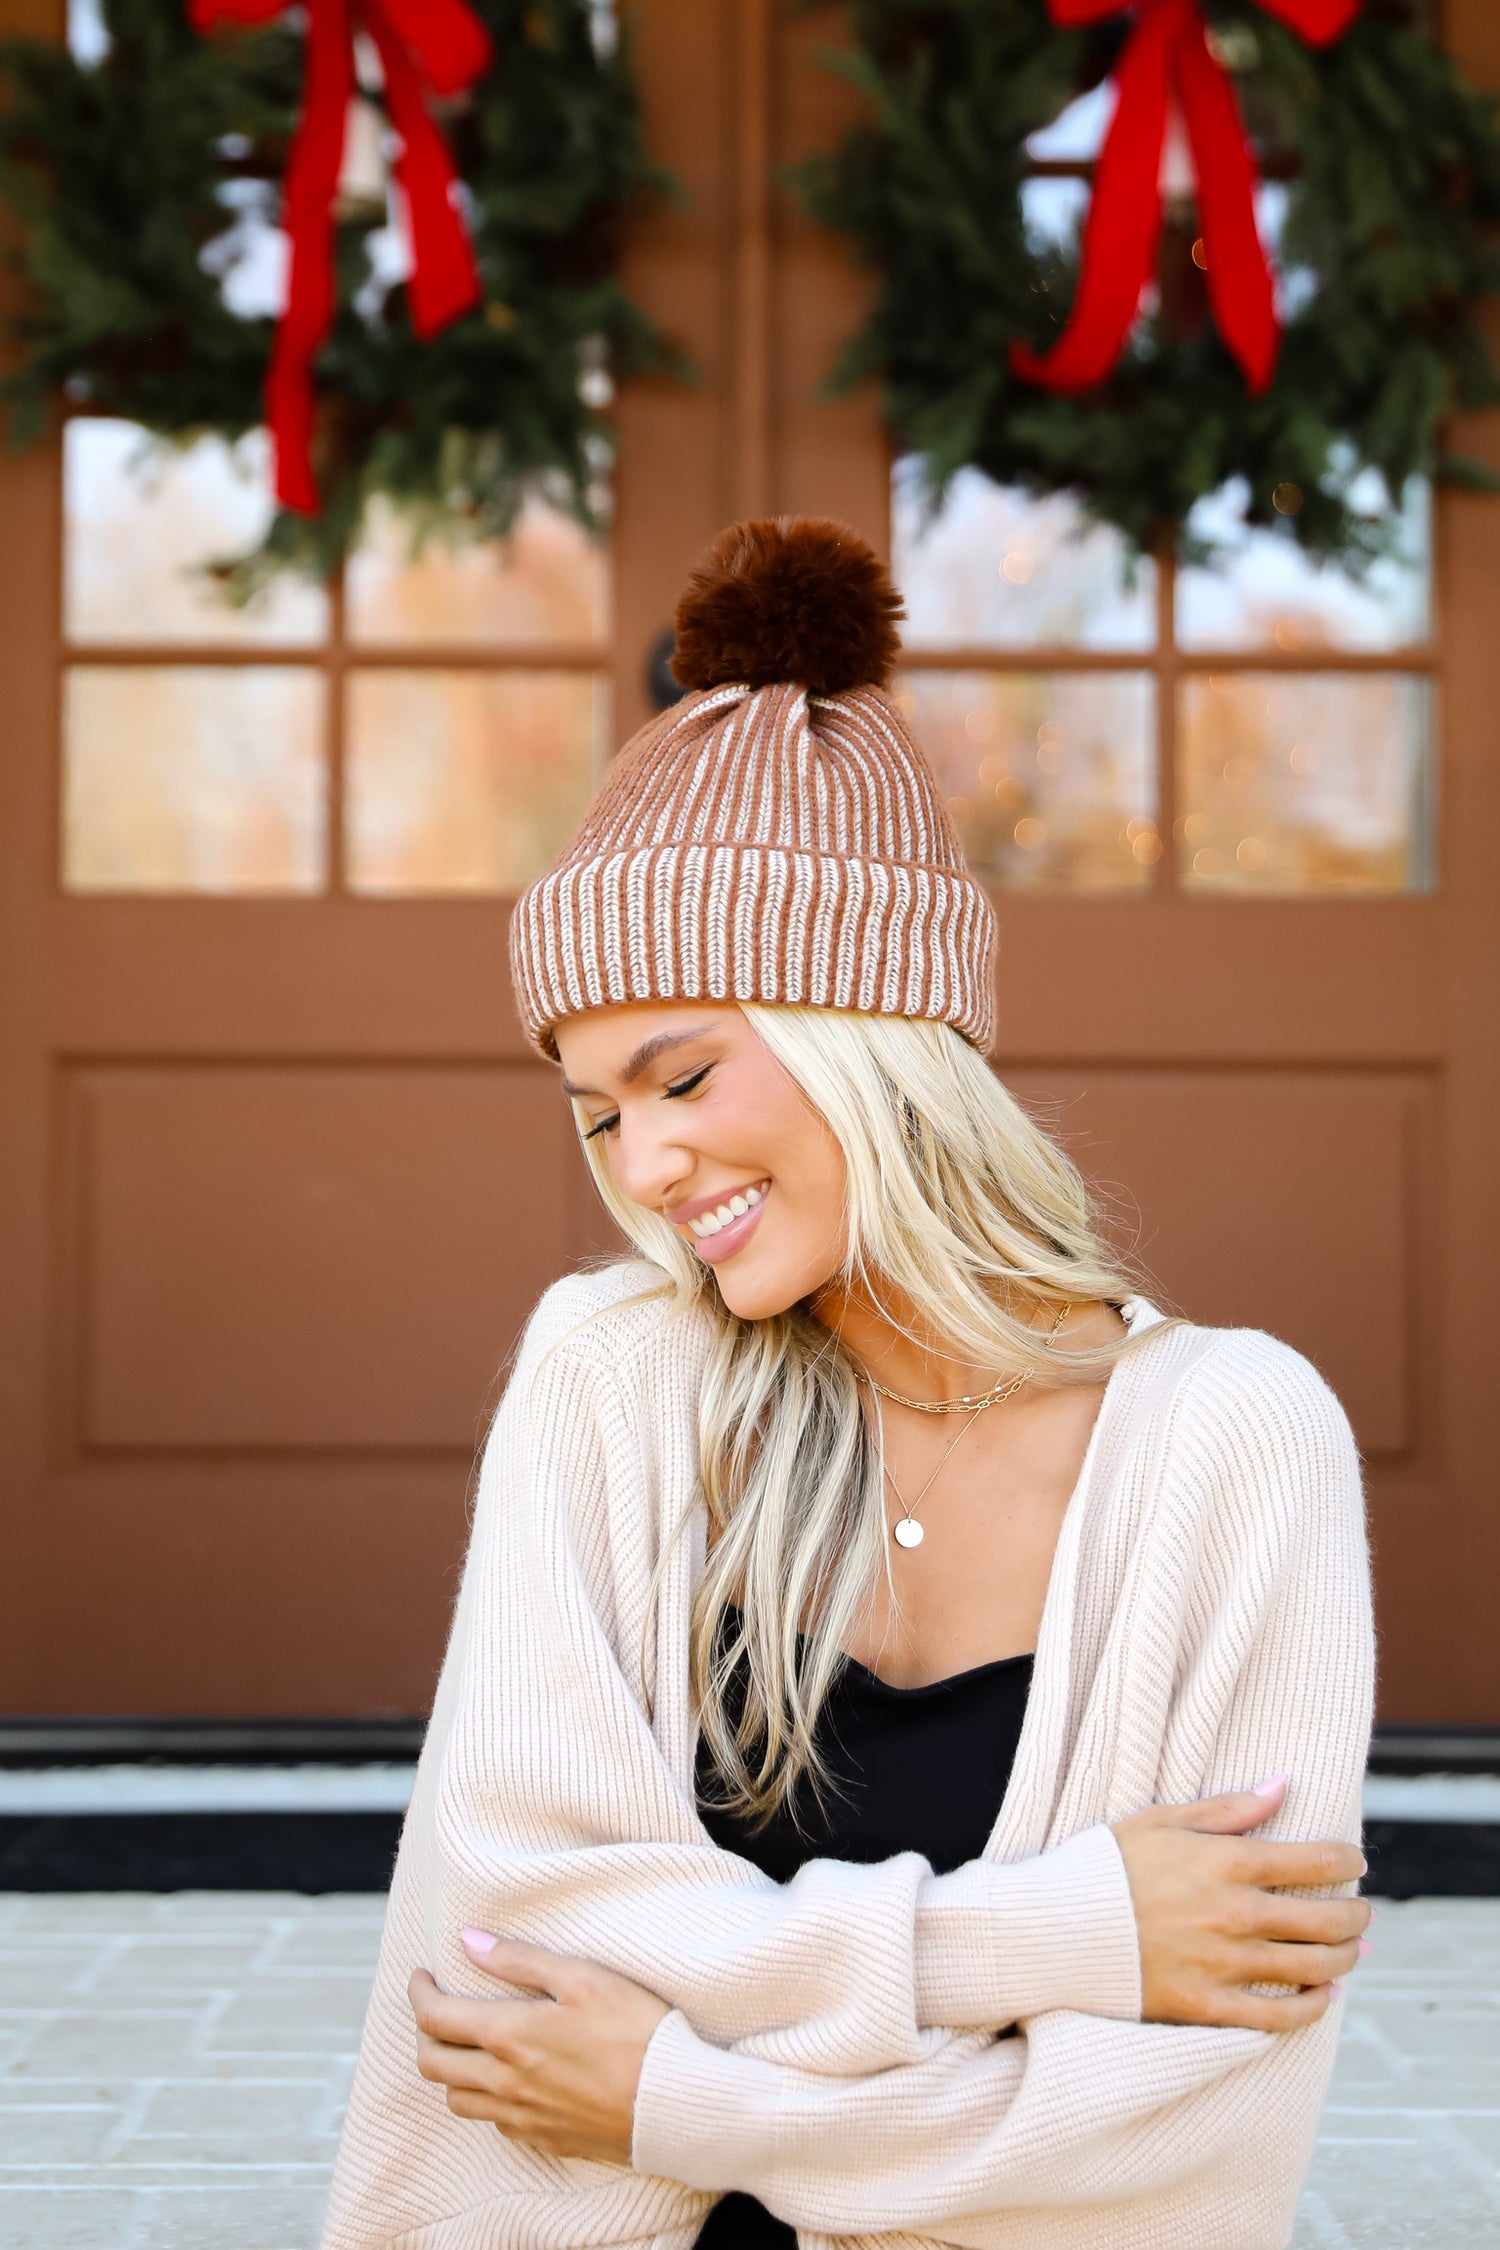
840 1790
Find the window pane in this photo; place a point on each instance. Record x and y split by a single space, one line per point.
1076 134
193 779
1053 211
550 583
1268 594
995 569
1050 778
467 781
1292 783
87 35
136 539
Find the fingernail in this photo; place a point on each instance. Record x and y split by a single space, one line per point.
478 1941
1269 1786
1364 1947
1374 1913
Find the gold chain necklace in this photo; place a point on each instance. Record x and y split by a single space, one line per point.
909 1533
1006 1388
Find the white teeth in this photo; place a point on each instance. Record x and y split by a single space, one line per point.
711 1222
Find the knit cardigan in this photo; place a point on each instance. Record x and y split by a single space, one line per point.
952 2059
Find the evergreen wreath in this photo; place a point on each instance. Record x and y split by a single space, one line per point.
131 175
1391 166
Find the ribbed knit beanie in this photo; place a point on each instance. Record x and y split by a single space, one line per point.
776 836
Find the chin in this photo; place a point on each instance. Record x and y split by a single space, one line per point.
749 1298
752 1295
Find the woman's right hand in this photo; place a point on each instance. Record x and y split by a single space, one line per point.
1215 1913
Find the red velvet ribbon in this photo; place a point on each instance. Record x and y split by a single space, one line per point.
422 44
1167 57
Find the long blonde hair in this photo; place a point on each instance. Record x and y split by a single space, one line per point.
958 1208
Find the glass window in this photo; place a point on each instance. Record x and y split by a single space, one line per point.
1053 211
1264 592
466 781
1287 781
1050 778
202 747
995 569
549 584
194 778
87 35
1295 782
1076 134
142 526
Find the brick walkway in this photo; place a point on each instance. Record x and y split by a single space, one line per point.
172 2071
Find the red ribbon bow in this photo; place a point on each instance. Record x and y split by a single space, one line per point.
1167 57
439 44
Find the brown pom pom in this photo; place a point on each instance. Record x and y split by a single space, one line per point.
794 598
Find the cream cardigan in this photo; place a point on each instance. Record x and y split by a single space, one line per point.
832 2047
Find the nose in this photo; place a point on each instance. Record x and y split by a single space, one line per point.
648 1160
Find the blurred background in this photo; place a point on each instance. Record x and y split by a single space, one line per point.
279 1179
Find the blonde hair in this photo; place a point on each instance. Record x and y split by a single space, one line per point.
958 1208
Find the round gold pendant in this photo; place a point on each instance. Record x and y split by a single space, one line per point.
908 1533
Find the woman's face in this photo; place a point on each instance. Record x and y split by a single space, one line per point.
698 1121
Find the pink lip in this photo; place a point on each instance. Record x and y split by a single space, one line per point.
713 1249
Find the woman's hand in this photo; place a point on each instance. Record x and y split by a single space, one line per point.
559 2072
1214 1915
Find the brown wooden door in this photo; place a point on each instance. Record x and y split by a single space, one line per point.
278 1180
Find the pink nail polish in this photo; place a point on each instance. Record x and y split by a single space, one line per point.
1269 1786
478 1941
1374 1913
1364 1947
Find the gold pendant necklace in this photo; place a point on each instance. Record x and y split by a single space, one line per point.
1006 1388
909 1533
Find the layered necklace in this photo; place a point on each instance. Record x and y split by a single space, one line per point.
909 1532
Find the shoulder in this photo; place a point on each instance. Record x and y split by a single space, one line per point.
1251 1385
1226 1375
607 1325
1247 1418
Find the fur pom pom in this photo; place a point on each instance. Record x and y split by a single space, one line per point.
794 598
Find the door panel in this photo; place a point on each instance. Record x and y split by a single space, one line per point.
1284 1200
273 1258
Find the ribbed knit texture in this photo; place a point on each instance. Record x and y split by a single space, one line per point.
830 2049
761 845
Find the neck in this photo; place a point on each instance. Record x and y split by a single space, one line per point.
889 1339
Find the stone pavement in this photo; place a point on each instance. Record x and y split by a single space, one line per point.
172 2071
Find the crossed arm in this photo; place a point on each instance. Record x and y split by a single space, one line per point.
598 2065
1216 1915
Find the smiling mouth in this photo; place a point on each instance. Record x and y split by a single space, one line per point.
729 1212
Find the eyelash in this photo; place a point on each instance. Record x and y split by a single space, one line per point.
671 1094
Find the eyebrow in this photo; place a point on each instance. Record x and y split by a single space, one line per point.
644 1056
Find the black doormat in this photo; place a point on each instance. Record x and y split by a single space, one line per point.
1433 1858
309 1851
249 1851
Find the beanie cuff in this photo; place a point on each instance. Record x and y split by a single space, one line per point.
727 922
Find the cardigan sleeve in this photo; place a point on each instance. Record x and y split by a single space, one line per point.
1074 2110
558 1818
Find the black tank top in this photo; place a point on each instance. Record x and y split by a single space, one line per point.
918 1770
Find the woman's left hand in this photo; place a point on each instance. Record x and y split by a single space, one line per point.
559 2072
